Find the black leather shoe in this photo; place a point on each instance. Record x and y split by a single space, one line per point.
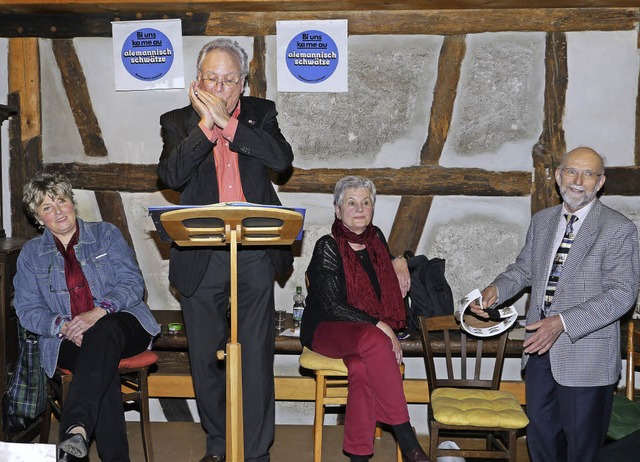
72 444
416 455
212 458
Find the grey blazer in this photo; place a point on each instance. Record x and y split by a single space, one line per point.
598 284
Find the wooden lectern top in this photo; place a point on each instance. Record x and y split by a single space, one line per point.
212 225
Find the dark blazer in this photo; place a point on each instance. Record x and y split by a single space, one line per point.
598 284
186 165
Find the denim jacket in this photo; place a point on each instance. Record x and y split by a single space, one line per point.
108 263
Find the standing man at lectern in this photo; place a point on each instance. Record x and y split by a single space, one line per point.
220 148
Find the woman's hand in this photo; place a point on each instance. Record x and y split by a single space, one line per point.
395 343
75 329
402 271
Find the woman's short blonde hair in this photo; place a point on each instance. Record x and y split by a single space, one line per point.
45 184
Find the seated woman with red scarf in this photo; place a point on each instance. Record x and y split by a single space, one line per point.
354 303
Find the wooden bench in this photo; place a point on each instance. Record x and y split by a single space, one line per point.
172 377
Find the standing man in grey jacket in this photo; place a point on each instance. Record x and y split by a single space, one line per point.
581 261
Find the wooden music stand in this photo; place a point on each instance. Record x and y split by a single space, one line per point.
227 224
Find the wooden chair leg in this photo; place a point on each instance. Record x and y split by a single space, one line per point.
513 449
145 421
433 443
399 457
318 420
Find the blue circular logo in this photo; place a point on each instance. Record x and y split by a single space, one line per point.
312 56
147 54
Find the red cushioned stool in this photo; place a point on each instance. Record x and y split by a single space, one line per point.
133 374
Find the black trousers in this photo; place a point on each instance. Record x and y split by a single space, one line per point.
94 399
566 424
205 315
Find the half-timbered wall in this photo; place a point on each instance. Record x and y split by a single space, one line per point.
461 130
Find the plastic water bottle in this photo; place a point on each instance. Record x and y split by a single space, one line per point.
298 306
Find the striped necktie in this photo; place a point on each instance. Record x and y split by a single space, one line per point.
558 261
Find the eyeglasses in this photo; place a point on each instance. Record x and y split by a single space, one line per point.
226 83
574 172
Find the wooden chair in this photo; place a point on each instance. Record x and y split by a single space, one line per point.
331 389
467 405
633 359
133 373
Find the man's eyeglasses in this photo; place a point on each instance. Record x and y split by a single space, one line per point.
574 172
226 83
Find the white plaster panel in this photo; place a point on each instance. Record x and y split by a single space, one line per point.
380 121
129 120
87 206
152 254
601 93
60 137
478 238
497 115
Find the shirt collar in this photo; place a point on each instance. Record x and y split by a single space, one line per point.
581 213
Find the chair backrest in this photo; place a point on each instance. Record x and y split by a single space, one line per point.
633 356
469 360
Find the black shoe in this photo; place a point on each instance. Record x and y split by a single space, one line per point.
416 455
212 458
72 444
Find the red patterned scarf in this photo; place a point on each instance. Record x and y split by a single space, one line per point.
360 292
79 291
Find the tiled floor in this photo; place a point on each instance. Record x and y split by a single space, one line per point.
184 442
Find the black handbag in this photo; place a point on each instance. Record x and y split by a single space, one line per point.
430 294
25 397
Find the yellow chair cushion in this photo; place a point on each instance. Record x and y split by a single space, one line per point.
315 362
477 408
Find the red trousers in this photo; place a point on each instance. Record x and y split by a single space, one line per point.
375 384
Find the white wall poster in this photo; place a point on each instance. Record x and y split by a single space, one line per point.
312 56
147 55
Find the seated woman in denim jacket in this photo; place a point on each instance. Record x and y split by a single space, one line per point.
79 288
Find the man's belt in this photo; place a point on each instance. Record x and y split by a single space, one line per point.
500 319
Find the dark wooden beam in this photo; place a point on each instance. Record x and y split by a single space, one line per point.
362 20
112 210
88 6
408 224
444 97
75 86
424 180
410 181
257 68
622 181
637 137
25 130
70 25
551 144
110 177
